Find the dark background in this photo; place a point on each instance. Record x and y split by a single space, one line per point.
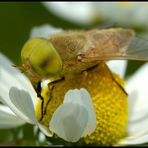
16 21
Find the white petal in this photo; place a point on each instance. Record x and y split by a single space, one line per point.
6 100
81 12
73 96
135 11
45 130
132 99
12 77
8 118
44 31
138 127
8 67
22 101
69 121
91 125
134 140
8 74
118 66
138 107
82 97
138 93
42 137
44 83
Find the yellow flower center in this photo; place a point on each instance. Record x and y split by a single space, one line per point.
108 96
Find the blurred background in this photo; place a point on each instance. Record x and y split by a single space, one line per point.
18 18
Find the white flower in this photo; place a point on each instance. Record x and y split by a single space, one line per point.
81 12
137 126
18 95
136 87
44 31
123 13
8 118
137 101
130 14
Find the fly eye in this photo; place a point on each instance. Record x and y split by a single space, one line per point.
42 57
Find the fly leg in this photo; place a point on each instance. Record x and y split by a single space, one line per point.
38 90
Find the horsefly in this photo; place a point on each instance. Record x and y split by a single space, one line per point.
70 52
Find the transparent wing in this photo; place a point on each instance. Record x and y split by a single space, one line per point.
137 49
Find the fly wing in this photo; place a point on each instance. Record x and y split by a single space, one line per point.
114 44
137 49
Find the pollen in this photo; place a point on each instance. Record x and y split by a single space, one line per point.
108 97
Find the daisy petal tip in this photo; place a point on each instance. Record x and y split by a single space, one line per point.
22 100
118 66
69 121
44 31
45 130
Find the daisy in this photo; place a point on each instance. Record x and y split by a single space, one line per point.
17 96
123 13
19 102
71 118
71 11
